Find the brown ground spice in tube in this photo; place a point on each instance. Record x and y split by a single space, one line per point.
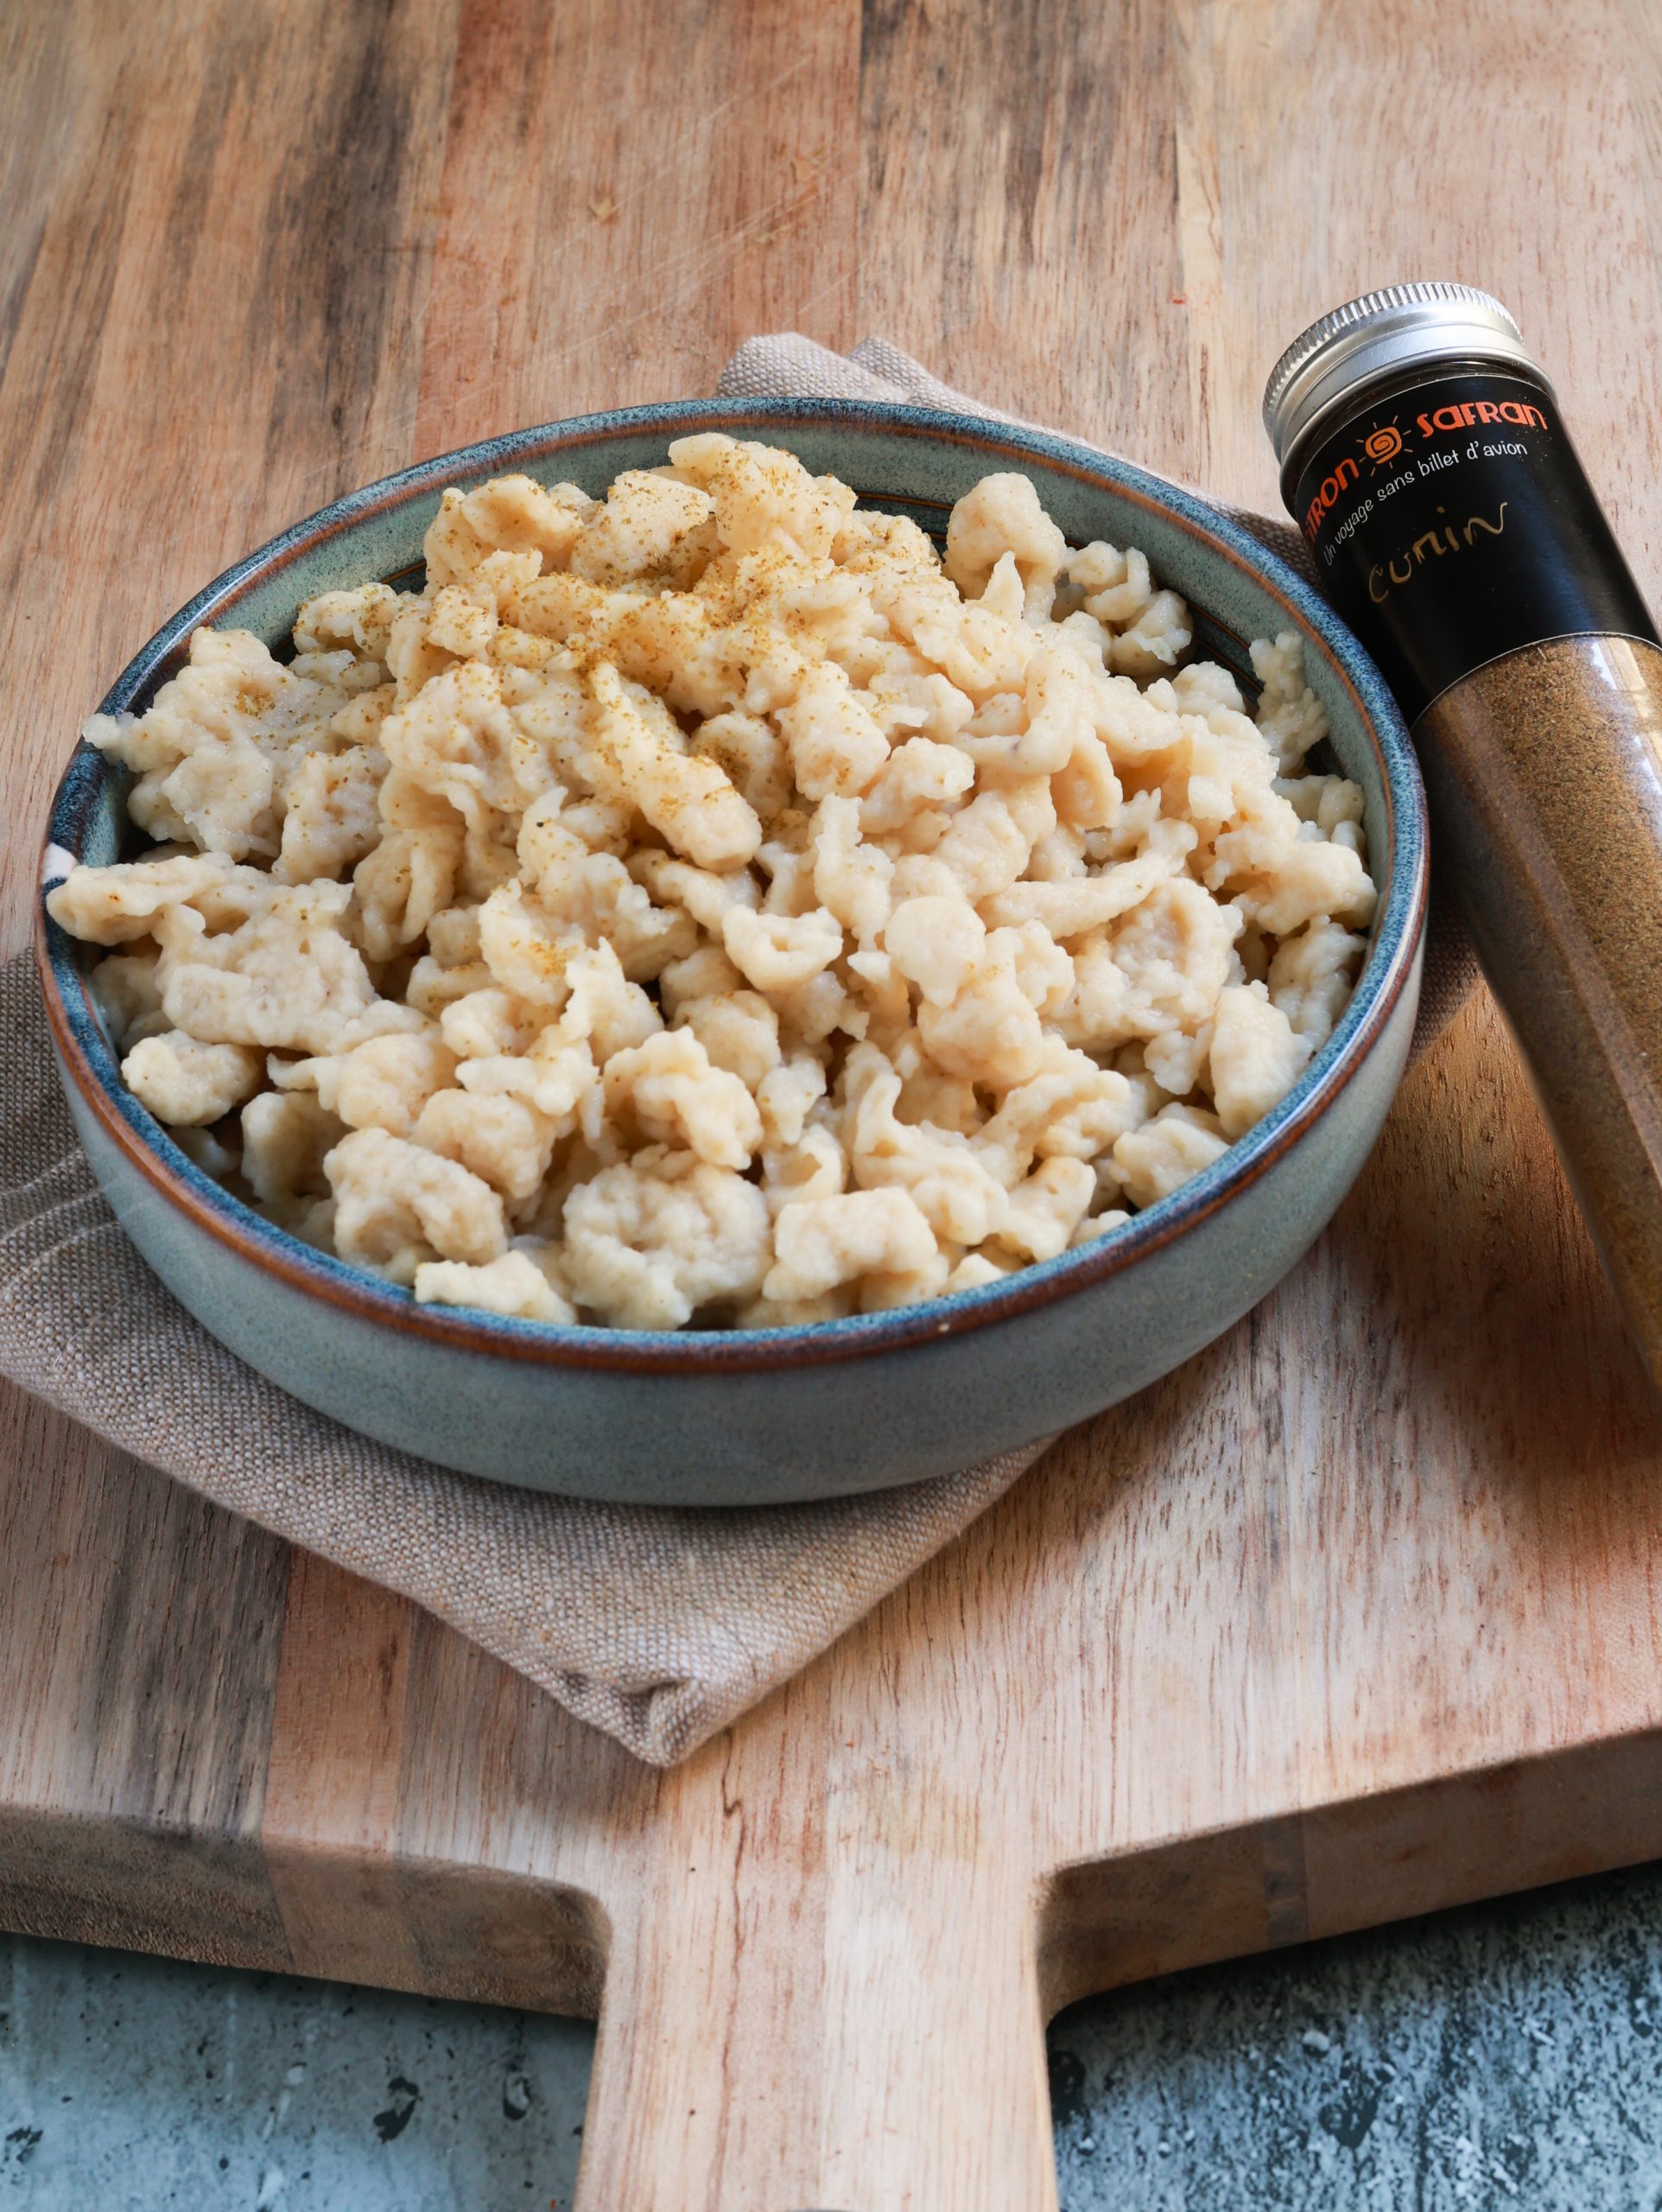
1450 522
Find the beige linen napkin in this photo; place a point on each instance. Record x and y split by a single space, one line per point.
659 1626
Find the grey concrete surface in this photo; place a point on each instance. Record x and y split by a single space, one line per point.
127 2084
1507 2056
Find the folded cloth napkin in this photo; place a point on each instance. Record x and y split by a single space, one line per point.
658 1626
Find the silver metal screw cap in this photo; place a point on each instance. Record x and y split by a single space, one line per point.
1387 329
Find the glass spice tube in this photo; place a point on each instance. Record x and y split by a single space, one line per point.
1449 520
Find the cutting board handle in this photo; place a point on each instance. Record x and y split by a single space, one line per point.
903 2073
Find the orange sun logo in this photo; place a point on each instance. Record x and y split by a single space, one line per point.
1383 444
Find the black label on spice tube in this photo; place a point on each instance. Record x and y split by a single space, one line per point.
1451 523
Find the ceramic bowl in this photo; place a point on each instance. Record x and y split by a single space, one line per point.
755 1416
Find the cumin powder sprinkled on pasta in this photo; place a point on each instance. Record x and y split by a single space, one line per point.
709 906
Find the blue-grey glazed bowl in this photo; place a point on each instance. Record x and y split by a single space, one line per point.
751 1417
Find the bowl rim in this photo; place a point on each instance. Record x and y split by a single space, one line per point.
90 1064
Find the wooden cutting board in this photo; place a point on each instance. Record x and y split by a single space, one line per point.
1354 1616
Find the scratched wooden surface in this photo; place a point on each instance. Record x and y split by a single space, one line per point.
1354 1616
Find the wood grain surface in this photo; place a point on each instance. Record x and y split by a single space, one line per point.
1353 1617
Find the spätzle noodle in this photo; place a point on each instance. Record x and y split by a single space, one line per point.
710 906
